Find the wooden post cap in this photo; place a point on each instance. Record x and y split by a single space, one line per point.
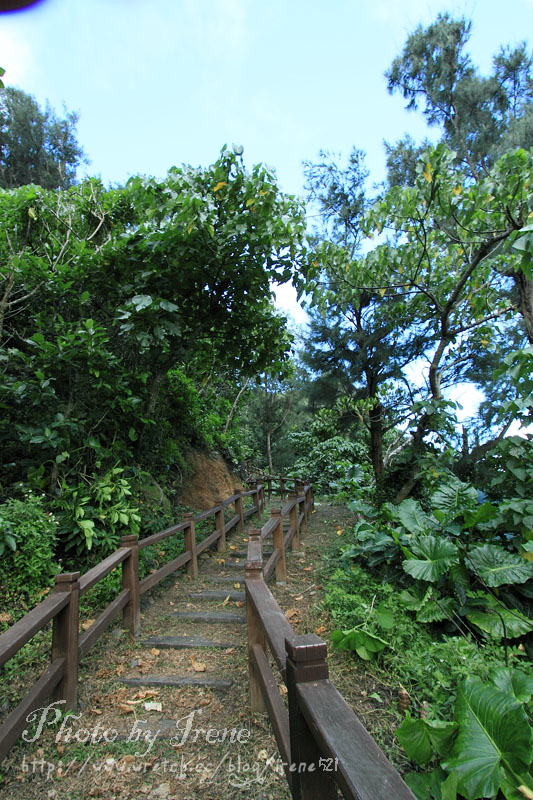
305 648
67 577
129 538
275 512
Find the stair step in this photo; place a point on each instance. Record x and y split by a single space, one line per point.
181 642
176 680
217 594
222 617
231 564
226 579
243 554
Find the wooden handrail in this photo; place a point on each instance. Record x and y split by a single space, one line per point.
62 607
322 743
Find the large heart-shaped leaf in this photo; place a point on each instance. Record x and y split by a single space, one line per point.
498 621
436 556
422 738
412 517
494 733
514 682
497 566
454 499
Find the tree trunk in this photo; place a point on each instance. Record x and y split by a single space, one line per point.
376 442
525 302
269 452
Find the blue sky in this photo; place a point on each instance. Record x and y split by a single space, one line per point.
164 82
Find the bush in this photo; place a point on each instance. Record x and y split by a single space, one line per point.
28 568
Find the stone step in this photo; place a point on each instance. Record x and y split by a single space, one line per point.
182 642
215 617
226 579
177 680
217 594
231 564
244 555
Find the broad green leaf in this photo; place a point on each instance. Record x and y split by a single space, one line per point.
484 513
421 738
517 787
494 732
454 498
514 682
497 566
436 556
413 518
428 785
498 621
384 617
436 609
166 305
141 301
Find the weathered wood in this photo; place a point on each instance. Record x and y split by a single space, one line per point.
22 631
190 546
277 537
230 500
163 572
221 531
277 712
17 721
239 511
185 642
270 565
235 520
268 528
249 512
94 575
215 617
222 684
205 514
158 537
216 594
207 542
65 638
306 661
102 622
130 582
275 623
363 771
294 522
256 634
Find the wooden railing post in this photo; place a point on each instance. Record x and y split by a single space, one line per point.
306 661
239 511
256 633
220 524
131 617
282 488
190 545
65 638
300 490
277 536
294 521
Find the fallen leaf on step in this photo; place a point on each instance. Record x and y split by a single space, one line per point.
198 666
153 706
87 624
233 547
221 560
229 650
283 690
239 603
94 711
307 569
321 630
236 585
226 601
6 618
145 693
340 531
292 613
126 709
154 651
245 539
120 670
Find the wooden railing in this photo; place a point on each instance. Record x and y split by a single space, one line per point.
323 745
60 680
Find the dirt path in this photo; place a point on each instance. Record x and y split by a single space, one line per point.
166 717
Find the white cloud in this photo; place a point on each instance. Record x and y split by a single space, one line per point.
15 57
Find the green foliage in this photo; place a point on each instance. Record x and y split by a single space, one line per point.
94 515
27 562
35 145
